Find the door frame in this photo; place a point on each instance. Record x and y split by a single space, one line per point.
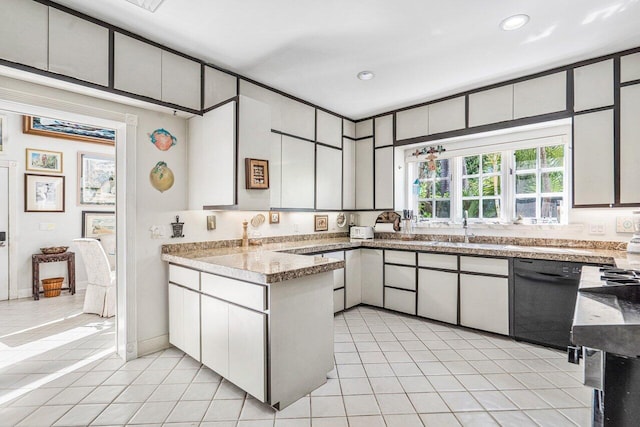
27 102
12 167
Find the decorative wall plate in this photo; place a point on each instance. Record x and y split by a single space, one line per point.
341 220
258 220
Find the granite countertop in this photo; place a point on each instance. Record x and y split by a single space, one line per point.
275 262
604 321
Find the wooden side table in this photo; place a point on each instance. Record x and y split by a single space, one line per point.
36 259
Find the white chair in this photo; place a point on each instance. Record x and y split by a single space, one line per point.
100 297
108 242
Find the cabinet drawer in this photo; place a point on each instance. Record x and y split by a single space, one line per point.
400 277
338 300
184 276
484 265
236 291
400 257
404 301
449 262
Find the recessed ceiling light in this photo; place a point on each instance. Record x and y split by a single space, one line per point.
150 5
514 22
366 75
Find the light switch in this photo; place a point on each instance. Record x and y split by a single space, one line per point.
596 228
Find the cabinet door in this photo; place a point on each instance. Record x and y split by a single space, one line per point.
491 106
338 300
438 295
542 95
630 67
24 32
384 178
215 335
447 115
383 130
181 80
191 323
593 133
176 316
218 86
275 171
372 285
400 300
400 277
629 144
412 123
329 129
297 173
297 118
364 174
338 275
364 129
348 129
593 85
78 48
353 282
247 350
348 174
328 178
484 303
137 67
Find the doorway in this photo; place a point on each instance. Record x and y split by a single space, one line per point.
4 232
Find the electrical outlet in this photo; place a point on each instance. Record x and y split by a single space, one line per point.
596 228
624 224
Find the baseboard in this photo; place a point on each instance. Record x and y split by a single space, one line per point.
153 344
28 292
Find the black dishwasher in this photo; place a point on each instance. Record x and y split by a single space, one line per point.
544 298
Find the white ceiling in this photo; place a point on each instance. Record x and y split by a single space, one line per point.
418 49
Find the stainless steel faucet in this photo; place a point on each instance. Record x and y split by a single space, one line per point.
465 225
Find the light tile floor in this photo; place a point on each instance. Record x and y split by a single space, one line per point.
57 367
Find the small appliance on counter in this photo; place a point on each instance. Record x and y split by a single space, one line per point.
361 232
634 245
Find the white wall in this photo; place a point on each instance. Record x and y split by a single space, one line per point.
66 225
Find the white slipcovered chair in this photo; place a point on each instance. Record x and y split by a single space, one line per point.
100 297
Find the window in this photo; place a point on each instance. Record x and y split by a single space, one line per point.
433 189
481 185
539 181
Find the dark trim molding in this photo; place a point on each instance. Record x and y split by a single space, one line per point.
616 130
630 83
293 136
594 110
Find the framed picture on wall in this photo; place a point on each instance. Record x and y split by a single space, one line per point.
321 222
43 193
257 174
55 128
96 179
98 223
43 160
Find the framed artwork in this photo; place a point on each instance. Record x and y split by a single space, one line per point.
68 130
44 161
98 223
321 222
257 174
96 179
3 133
43 193
274 217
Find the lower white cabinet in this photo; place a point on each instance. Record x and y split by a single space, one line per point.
372 285
184 320
400 300
353 289
484 303
438 295
215 334
400 277
247 350
338 300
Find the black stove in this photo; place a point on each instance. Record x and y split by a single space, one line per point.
617 276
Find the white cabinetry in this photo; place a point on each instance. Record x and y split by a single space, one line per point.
364 174
354 276
298 171
328 178
297 118
181 79
400 300
184 320
329 129
629 144
275 171
338 282
447 115
491 106
438 295
384 178
348 174
630 67
24 33
593 85
372 284
484 303
215 334
364 129
412 123
78 48
593 133
218 86
383 127
541 95
247 350
137 67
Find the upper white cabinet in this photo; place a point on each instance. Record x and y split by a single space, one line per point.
348 173
181 81
629 144
447 115
383 131
364 174
329 129
629 67
298 172
364 129
541 95
275 171
78 48
328 178
297 118
593 85
272 99
348 128
593 133
24 32
218 86
491 106
384 178
137 67
412 123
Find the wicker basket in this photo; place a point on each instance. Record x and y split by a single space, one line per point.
52 287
